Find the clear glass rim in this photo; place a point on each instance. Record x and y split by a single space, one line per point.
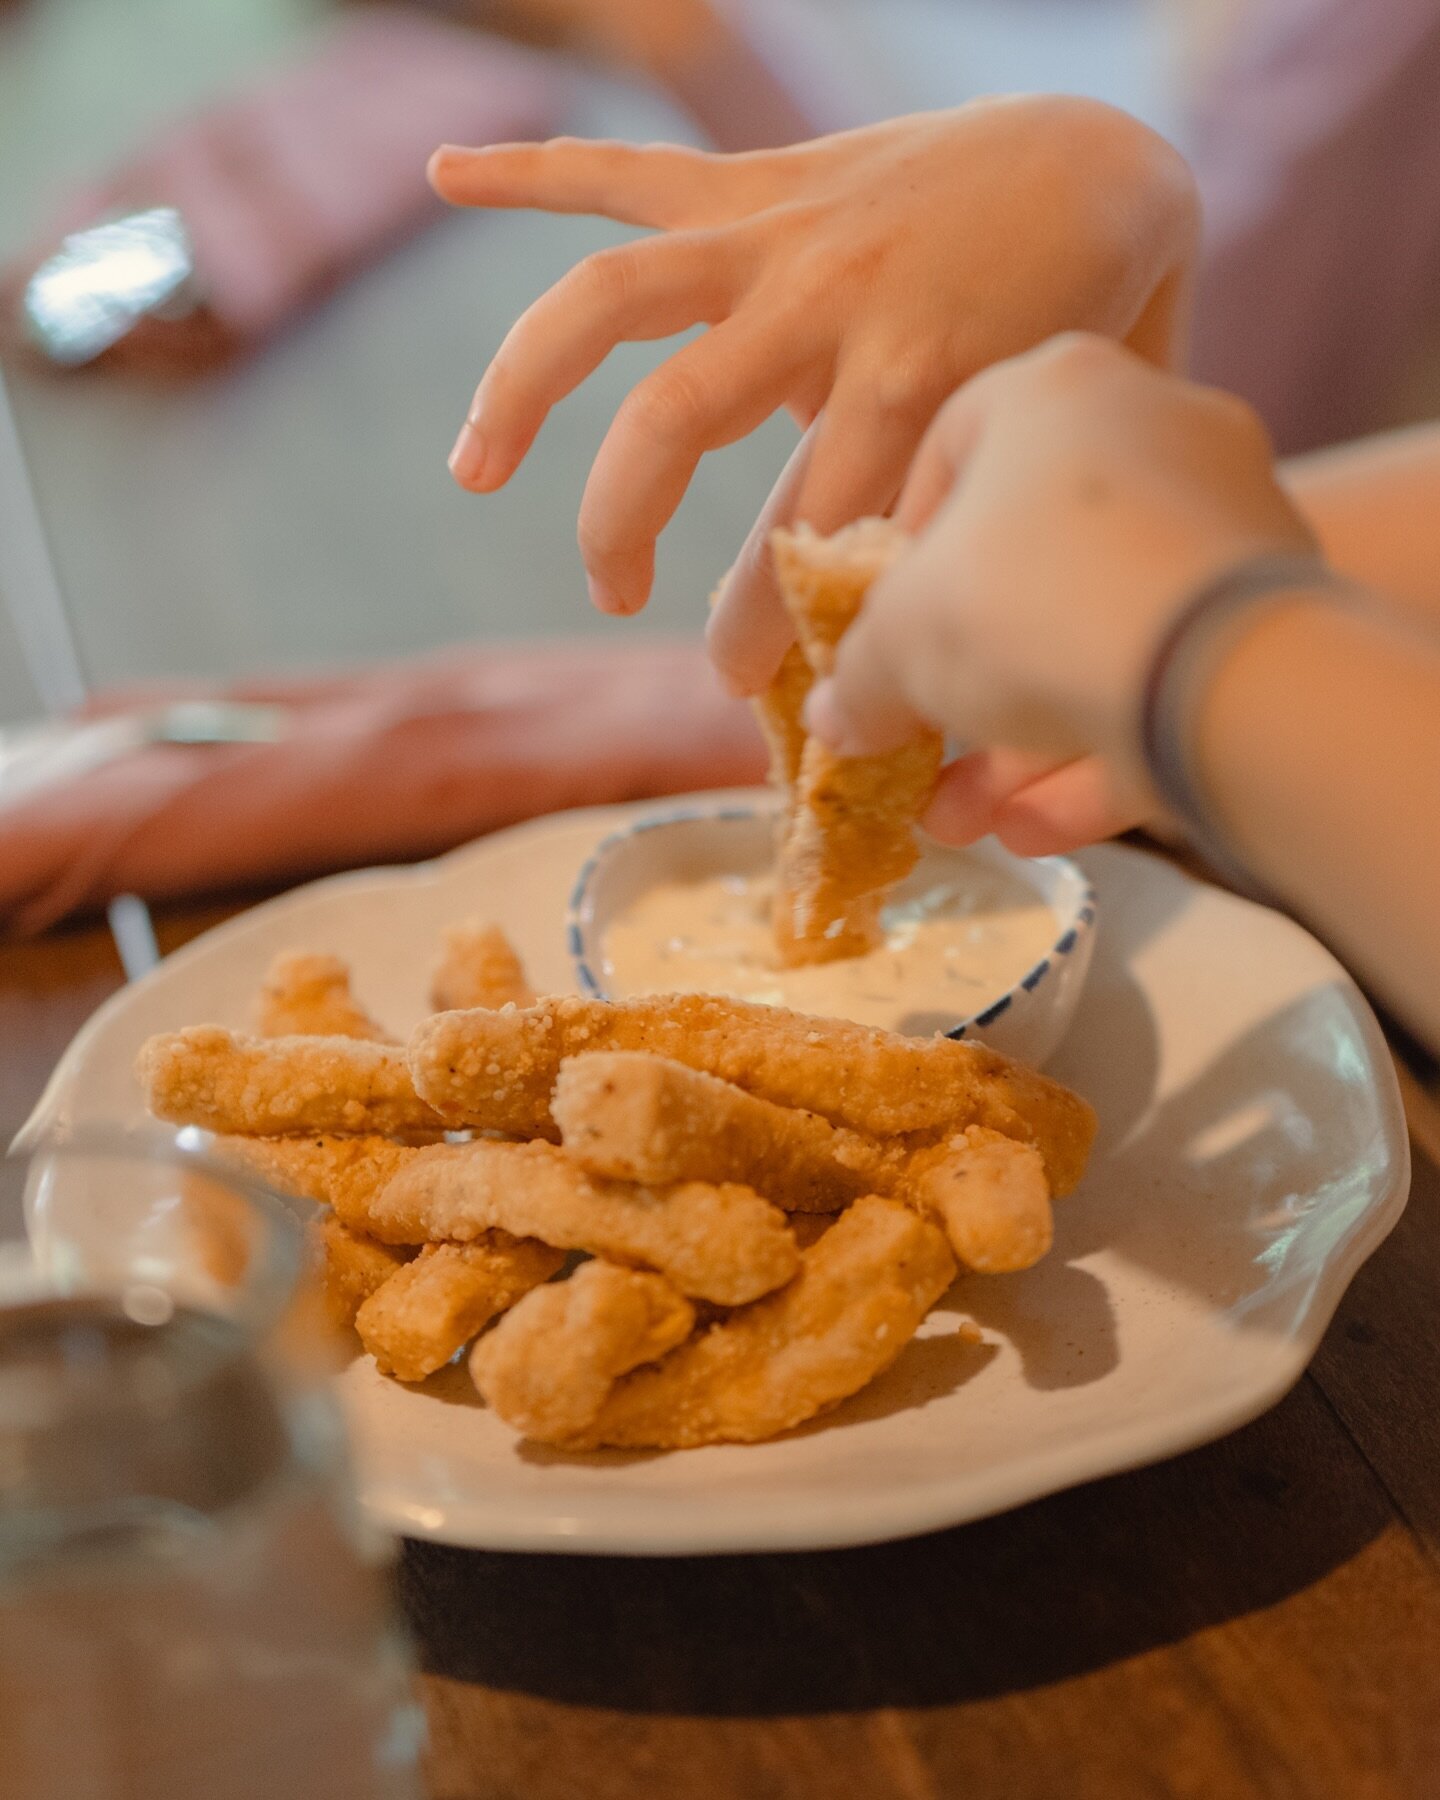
270 1282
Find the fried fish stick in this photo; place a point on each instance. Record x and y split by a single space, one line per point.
479 968
851 831
548 1365
859 1298
720 1243
415 1322
780 711
634 1117
343 1172
309 996
991 1197
497 1070
352 1266
274 1087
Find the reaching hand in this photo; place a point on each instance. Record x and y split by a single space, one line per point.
857 280
1068 501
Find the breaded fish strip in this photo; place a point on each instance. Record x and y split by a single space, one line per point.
304 995
635 1117
415 1322
720 1243
851 833
779 711
548 1365
352 1266
859 1298
479 968
497 1070
990 1195
275 1087
644 1118
343 1172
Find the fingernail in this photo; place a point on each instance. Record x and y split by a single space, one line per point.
467 459
623 591
604 599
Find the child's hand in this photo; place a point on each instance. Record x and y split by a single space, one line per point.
1070 500
857 280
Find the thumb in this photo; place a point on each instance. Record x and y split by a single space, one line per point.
864 708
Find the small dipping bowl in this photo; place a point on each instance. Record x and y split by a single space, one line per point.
702 840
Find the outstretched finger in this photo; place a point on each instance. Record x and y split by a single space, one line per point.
660 185
645 290
854 463
715 390
749 631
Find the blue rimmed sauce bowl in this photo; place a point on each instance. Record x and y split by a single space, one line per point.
698 840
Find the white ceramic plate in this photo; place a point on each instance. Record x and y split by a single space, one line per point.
1252 1154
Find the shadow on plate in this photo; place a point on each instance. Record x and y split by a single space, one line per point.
1281 1141
1282 1153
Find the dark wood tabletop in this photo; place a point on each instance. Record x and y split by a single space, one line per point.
1260 1617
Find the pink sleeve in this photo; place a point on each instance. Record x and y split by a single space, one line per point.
380 765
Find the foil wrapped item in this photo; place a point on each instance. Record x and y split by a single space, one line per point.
106 280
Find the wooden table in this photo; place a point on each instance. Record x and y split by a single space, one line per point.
1261 1617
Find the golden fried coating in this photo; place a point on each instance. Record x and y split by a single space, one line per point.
275 1087
824 580
721 1243
634 1117
309 996
851 830
497 1070
343 1172
416 1321
990 1195
859 1298
809 1228
548 1365
479 968
779 711
352 1266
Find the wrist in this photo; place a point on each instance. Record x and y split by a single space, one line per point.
1214 636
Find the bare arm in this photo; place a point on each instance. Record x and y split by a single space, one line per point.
1375 507
1319 746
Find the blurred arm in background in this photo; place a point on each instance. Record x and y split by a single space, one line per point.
1316 145
378 765
711 57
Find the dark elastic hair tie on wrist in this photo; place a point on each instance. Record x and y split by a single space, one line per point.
1194 644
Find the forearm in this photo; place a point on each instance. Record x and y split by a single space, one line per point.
1318 748
1375 507
739 95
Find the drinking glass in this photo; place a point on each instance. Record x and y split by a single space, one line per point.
190 1603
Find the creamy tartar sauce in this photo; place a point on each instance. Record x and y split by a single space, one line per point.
958 934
